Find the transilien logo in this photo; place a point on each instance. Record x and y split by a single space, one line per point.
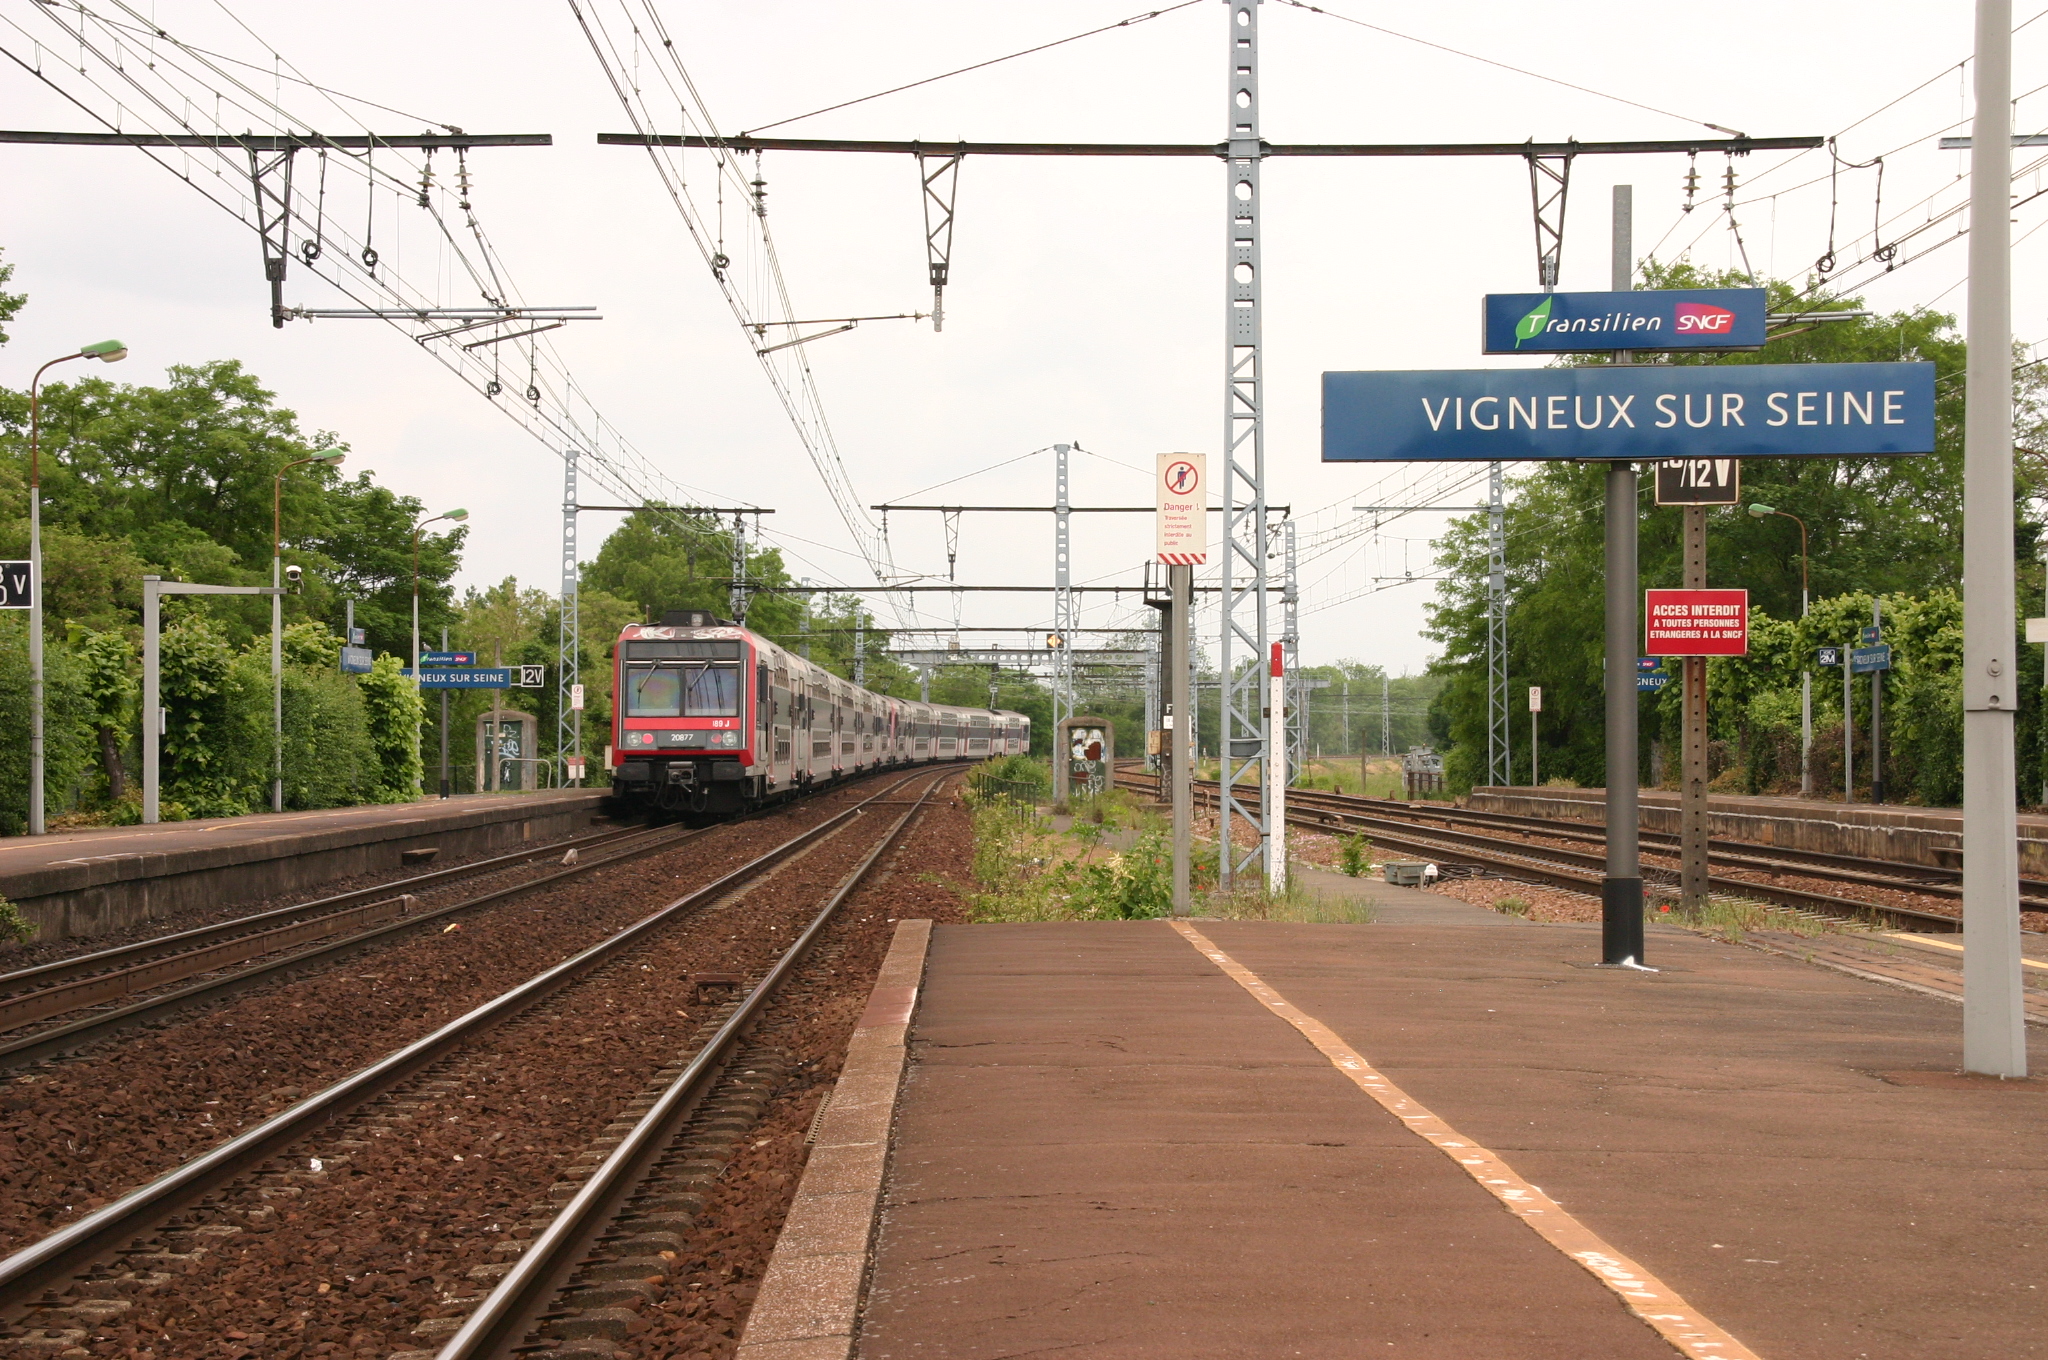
1532 325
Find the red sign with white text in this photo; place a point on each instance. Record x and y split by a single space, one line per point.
1696 622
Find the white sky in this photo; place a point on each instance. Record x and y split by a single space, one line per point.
1087 295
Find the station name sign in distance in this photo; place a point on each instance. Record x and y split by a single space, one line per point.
1634 413
17 585
488 677
1655 319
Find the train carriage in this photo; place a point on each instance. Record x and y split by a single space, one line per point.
711 719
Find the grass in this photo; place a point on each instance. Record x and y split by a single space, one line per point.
1294 903
1731 919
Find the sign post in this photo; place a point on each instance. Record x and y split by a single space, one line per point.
1535 711
1695 623
1182 491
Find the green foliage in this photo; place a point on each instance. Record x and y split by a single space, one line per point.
67 739
14 927
393 708
210 717
10 303
1354 854
1884 526
107 685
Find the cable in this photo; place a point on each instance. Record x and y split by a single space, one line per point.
1518 70
980 65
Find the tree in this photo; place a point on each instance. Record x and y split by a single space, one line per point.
1889 526
107 681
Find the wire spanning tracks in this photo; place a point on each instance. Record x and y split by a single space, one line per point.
275 949
1400 827
109 1229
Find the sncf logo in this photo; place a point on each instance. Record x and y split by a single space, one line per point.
1700 318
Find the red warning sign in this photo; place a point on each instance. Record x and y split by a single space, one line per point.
1696 622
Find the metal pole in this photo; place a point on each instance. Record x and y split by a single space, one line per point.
1180 735
1499 768
1994 1026
1063 595
444 723
1245 735
152 711
1692 799
1877 713
1276 811
36 797
1849 723
568 632
1535 778
277 679
860 644
1805 678
1621 886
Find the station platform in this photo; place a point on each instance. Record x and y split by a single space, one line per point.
94 880
1444 1134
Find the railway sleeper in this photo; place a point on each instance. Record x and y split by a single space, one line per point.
604 1300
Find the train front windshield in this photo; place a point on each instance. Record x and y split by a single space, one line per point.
668 680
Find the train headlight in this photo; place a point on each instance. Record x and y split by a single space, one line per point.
727 740
639 739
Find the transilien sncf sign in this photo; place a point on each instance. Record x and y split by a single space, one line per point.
1656 319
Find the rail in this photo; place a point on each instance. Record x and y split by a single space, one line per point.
107 1229
499 1324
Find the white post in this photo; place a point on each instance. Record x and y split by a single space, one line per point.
152 713
1994 1026
1276 752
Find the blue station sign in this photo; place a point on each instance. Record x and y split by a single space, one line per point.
1638 413
1656 319
490 677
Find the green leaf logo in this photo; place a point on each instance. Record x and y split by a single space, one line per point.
1531 326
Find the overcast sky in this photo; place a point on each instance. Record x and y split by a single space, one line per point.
1087 295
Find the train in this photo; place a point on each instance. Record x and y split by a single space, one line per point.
710 719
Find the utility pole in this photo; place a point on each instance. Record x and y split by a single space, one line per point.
860 644
444 722
1621 885
737 598
1386 716
1297 715
803 628
1994 1026
1692 797
1245 735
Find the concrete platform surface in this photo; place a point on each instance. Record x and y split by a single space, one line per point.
1106 1146
91 880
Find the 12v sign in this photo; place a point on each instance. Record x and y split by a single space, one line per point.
1699 481
17 584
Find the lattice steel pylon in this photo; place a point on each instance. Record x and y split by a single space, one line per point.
1063 621
568 634
1499 760
1247 719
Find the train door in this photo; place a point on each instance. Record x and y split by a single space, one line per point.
782 720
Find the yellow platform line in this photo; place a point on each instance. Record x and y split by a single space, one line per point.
1648 1297
1929 942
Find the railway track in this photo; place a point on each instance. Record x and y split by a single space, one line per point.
43 1322
1442 834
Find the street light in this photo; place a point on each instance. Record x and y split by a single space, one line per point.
457 515
277 622
1805 676
107 351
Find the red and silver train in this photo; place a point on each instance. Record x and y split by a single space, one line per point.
710 718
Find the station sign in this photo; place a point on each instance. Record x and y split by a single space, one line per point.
1828 657
447 658
494 677
1638 413
17 585
357 660
1872 635
358 637
1699 481
1864 660
1697 622
1654 319
1650 673
1181 485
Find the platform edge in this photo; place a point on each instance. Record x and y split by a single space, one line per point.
808 1307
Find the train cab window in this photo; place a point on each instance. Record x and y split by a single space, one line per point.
691 690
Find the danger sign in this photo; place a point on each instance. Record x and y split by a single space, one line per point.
1696 622
1183 505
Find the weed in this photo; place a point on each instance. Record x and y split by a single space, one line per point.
1354 855
14 927
1512 906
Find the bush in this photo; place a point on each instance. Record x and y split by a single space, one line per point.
1354 854
14 927
67 735
394 709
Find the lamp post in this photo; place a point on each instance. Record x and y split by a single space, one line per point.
1805 675
106 351
277 622
457 515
